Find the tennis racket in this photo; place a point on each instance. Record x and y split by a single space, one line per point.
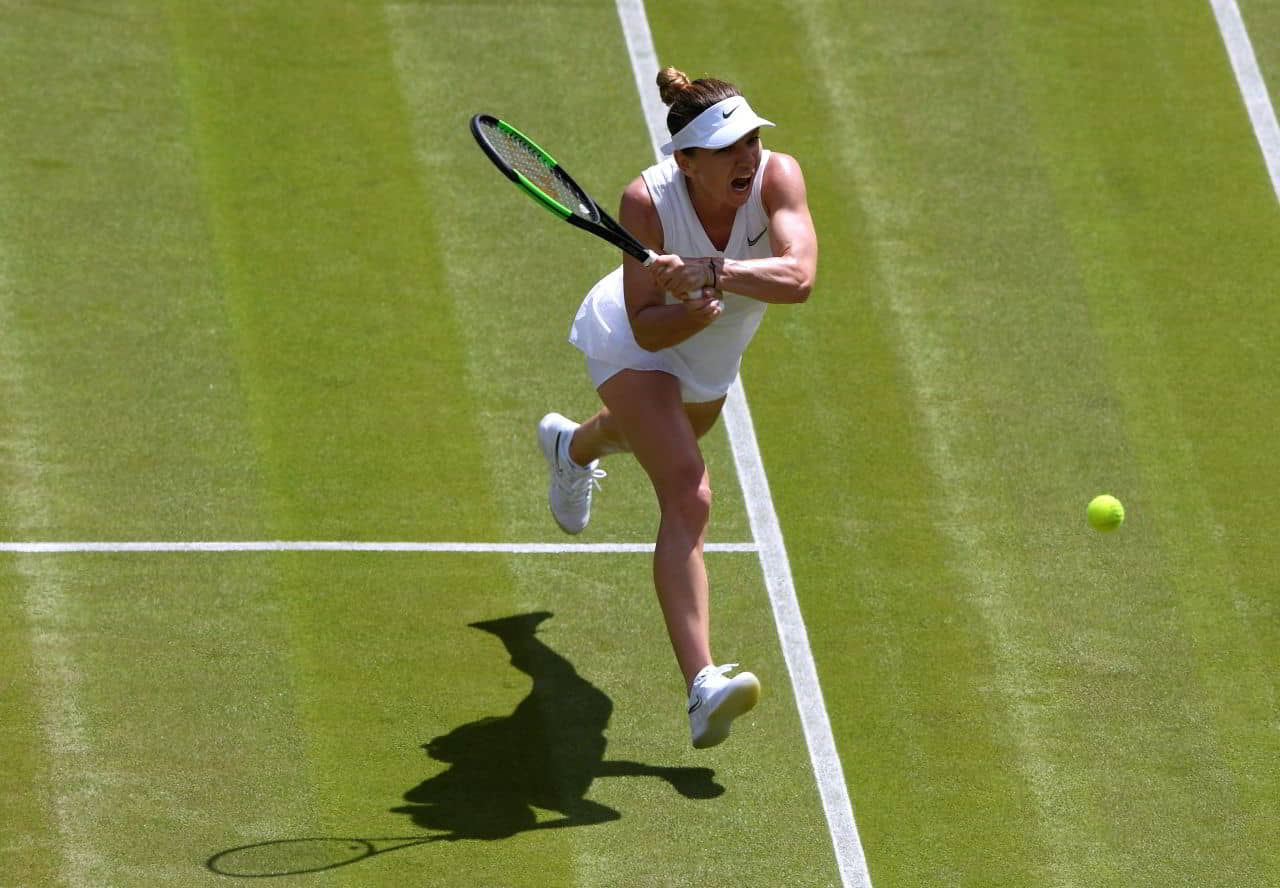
538 175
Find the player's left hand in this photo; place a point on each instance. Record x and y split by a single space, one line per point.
709 294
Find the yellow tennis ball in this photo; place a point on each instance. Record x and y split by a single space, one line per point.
1105 512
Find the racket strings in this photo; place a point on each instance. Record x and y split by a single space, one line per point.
531 163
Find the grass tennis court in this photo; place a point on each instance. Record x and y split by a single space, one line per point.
257 283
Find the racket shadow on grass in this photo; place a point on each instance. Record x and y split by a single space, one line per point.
502 770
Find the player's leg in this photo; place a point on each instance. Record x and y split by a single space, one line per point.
663 434
600 436
646 409
597 437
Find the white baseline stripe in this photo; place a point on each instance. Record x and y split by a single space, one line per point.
766 530
1252 87
38 548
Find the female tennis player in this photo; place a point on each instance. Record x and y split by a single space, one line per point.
663 343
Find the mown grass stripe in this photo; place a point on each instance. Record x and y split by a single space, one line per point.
123 415
930 369
119 310
70 782
349 349
1178 278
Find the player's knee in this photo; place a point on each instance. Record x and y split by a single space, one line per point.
689 499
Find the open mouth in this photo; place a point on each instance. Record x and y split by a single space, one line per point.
741 184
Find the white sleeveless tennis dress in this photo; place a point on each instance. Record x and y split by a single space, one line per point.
707 362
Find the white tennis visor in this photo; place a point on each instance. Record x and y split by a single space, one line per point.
720 125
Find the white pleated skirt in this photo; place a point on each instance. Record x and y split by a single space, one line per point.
706 363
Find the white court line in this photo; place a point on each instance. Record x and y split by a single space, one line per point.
1252 87
38 548
765 528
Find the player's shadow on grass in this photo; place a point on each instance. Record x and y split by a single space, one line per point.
502 770
544 755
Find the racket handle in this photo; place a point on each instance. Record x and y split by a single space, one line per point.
649 259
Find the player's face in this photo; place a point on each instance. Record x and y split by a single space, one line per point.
724 174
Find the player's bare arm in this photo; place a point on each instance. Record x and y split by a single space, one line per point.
788 275
655 324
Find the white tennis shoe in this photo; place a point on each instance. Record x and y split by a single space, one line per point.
716 701
570 489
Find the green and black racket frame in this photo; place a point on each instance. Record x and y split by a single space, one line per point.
536 173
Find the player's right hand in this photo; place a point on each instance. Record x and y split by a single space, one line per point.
673 274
